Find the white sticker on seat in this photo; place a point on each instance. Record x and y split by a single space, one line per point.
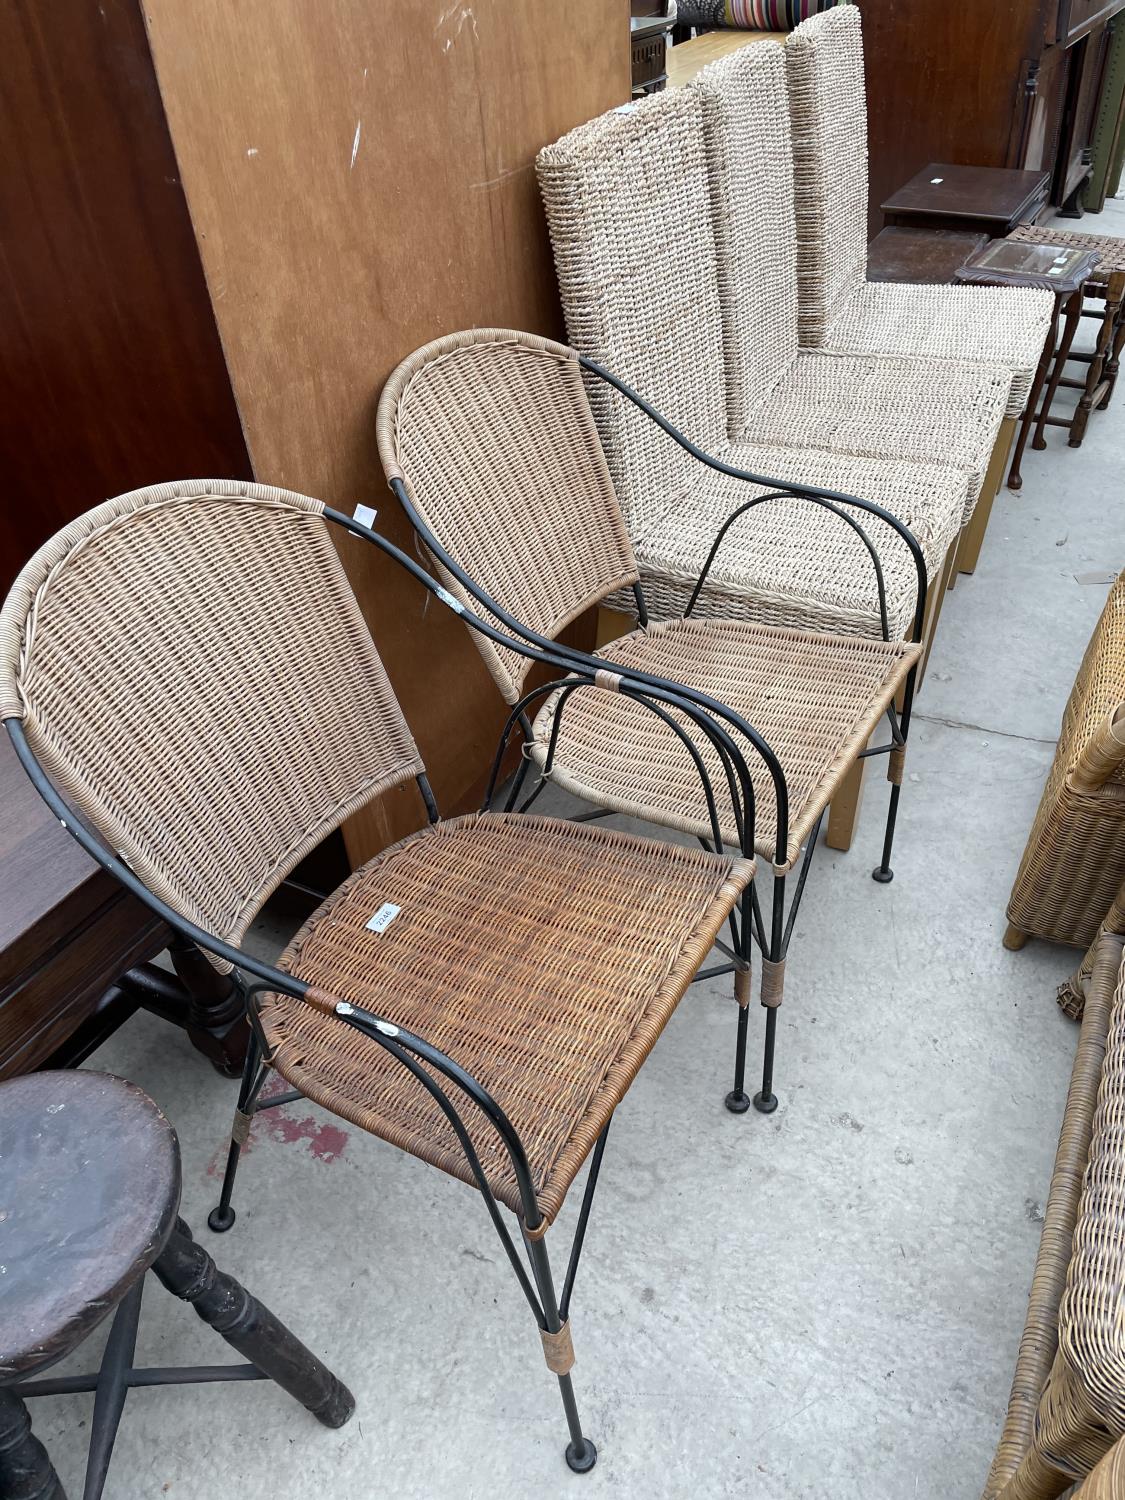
383 917
365 515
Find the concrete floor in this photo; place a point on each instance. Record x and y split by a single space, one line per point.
824 1303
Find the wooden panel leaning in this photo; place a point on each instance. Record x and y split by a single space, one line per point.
1074 860
1067 1402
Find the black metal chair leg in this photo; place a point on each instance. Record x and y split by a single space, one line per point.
882 871
188 1272
581 1455
738 1100
773 982
111 1390
221 1218
26 1473
765 1102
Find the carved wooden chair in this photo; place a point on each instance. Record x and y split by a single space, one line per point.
489 443
1074 861
186 676
91 1193
841 312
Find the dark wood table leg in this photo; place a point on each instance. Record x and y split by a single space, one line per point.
206 1003
1015 478
1072 316
188 1272
26 1473
1114 362
1096 376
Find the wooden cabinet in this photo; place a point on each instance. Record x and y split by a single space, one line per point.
996 83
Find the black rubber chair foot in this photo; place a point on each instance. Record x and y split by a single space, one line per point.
765 1104
220 1220
884 877
582 1462
737 1101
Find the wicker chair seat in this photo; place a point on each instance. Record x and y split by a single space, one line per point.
544 956
814 699
1005 326
792 563
877 407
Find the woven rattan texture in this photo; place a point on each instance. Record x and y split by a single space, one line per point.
1072 992
828 114
1001 325
1040 1340
1110 248
929 412
1107 1482
194 674
791 563
814 699
743 98
627 204
839 309
492 433
1074 860
543 956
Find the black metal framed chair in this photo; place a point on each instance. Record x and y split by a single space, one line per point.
186 677
489 444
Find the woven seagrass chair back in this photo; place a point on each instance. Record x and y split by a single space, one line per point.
193 672
828 111
627 203
750 170
491 432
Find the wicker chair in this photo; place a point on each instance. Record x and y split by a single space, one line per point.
489 443
1072 992
840 310
1107 1482
1067 1405
1074 860
629 204
186 675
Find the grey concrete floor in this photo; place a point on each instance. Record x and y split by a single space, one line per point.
824 1303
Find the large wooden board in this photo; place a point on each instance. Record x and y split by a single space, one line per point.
361 179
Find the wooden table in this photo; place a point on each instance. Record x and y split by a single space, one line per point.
920 255
686 60
984 200
75 946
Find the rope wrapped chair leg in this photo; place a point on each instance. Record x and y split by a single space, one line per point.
187 679
527 530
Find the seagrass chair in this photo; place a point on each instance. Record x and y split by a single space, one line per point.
840 311
187 678
1074 861
1067 1405
631 203
489 444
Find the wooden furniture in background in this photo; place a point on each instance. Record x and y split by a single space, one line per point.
357 188
111 371
999 83
686 60
920 255
985 200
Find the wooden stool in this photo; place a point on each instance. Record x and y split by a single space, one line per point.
89 1193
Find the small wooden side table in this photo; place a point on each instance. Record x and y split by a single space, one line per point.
1059 270
89 1199
920 255
987 200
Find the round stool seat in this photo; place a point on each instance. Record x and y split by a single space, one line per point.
89 1188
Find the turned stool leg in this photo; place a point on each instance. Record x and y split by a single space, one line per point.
1015 478
1071 318
188 1272
26 1473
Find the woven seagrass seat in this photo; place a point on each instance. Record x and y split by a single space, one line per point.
543 956
1074 861
815 700
629 199
187 677
778 567
840 310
